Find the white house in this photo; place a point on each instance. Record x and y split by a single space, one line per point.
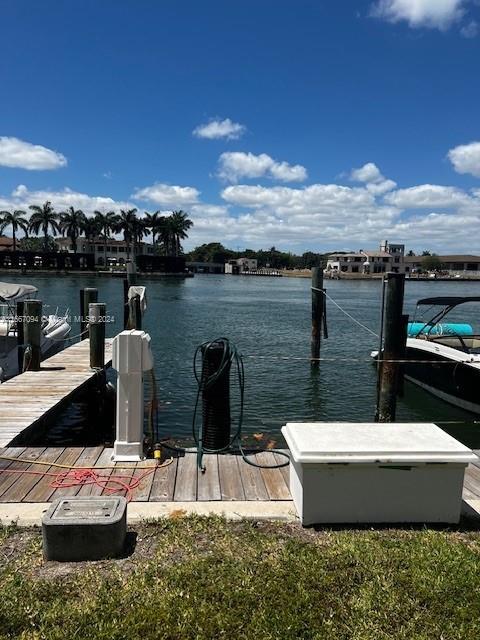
110 253
240 265
389 258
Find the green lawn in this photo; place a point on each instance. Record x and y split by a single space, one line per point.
205 578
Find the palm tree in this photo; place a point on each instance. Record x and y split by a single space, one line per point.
127 222
90 228
72 223
153 221
16 220
164 231
106 223
43 218
179 224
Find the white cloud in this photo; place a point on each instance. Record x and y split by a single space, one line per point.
375 182
22 197
167 195
216 129
17 153
466 158
434 14
428 196
234 165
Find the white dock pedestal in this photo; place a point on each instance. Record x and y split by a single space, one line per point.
371 472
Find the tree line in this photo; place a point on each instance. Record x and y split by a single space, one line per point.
167 231
273 258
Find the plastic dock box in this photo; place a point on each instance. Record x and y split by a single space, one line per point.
371 472
77 529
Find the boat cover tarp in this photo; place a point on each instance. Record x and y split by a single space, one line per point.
10 291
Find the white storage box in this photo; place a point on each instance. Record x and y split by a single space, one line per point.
375 472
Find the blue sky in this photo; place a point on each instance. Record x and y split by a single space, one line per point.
301 124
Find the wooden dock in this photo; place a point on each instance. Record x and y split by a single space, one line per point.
227 476
32 398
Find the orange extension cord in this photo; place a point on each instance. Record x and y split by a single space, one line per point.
82 476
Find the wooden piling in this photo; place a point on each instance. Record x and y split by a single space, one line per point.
401 373
131 273
126 310
19 322
32 333
318 305
393 348
135 313
96 331
88 296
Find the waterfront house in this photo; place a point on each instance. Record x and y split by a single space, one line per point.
241 265
454 265
106 254
390 257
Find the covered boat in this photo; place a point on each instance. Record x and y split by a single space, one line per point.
55 328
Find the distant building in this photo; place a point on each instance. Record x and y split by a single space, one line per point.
115 253
389 258
241 265
453 264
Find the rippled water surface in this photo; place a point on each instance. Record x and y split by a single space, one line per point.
269 321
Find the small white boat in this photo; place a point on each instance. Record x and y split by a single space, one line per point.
55 328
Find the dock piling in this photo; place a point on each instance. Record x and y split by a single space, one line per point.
88 296
96 330
32 332
318 305
19 322
134 313
393 348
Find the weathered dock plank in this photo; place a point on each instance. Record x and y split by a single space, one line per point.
252 480
29 398
25 482
43 491
231 486
274 481
208 482
186 480
163 485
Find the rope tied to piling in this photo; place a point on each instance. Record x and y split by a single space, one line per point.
349 315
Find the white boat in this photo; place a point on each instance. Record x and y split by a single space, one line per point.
55 328
444 358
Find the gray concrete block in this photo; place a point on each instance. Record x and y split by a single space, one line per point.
89 528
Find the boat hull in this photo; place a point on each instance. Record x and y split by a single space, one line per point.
443 374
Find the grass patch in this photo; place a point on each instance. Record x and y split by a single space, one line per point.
204 578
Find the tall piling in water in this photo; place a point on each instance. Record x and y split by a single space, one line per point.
134 312
32 330
96 331
88 296
19 323
318 306
393 348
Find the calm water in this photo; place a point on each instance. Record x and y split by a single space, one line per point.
269 321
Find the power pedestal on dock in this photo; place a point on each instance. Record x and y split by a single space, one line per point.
76 529
131 357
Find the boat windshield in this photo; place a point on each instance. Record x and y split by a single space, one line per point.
433 325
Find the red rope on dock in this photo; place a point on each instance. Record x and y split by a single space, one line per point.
109 484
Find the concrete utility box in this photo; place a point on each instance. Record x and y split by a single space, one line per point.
76 529
371 472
